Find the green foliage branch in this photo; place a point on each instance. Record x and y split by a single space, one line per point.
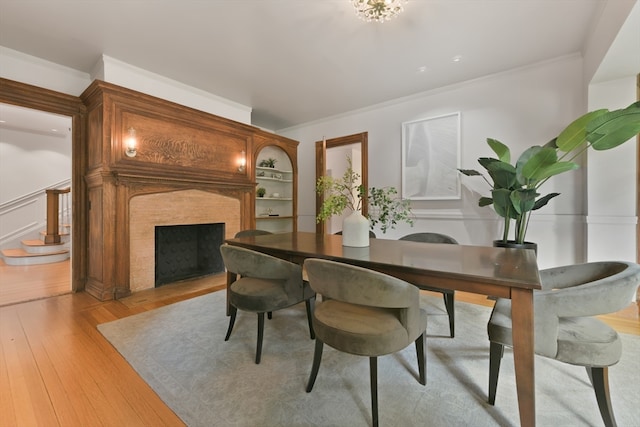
385 208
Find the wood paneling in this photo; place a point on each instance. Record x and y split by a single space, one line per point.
179 149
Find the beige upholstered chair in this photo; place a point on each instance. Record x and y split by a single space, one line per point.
564 327
266 284
366 313
251 232
448 295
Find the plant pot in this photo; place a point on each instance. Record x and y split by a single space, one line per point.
355 231
512 244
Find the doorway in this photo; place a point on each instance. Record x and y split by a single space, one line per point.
330 157
45 100
37 150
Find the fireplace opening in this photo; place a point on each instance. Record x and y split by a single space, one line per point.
187 251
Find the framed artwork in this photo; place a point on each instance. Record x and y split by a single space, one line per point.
431 158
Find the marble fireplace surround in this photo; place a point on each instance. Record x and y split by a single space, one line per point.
179 207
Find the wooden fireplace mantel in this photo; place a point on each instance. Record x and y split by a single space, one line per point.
178 148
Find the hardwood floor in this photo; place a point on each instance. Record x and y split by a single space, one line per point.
56 369
29 282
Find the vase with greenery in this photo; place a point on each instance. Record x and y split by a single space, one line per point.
514 187
385 208
261 191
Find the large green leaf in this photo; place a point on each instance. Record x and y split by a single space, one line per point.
575 134
614 128
523 200
469 172
542 201
503 174
485 201
531 168
614 136
502 203
501 150
556 169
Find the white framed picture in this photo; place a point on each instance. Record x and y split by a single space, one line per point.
431 158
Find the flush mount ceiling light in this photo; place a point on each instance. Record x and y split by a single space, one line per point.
378 10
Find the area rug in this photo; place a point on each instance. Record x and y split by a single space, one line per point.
179 350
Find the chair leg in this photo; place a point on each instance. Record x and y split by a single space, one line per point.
600 380
449 298
260 336
310 305
373 374
232 320
317 357
495 357
421 359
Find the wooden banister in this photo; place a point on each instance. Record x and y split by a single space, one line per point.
53 206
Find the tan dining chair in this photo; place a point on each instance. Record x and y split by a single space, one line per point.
365 313
448 295
265 284
564 326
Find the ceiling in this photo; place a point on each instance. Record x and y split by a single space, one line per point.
296 61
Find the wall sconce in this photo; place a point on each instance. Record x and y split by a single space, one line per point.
243 161
130 146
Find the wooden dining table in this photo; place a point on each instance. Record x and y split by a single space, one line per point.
496 272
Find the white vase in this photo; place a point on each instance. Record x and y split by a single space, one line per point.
355 231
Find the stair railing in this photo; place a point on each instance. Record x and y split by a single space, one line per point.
53 213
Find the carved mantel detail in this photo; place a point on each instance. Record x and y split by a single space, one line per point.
185 171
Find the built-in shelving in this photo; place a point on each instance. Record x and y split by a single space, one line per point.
275 211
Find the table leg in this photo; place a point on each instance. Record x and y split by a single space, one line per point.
523 353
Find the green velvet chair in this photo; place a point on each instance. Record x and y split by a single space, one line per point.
365 313
265 284
251 232
448 295
565 329
372 235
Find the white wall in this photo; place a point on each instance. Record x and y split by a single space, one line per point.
38 72
611 182
520 108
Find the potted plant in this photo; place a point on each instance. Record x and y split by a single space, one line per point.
268 163
514 188
384 207
261 191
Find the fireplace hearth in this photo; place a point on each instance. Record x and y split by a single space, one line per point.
187 251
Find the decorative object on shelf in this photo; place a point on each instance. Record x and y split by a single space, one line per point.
131 143
514 189
378 10
268 163
276 175
261 191
385 208
260 173
275 195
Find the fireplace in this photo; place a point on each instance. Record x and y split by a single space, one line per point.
187 251
173 208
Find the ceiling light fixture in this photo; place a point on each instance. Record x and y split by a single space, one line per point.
378 10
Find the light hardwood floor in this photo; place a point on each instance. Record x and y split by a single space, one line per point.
56 369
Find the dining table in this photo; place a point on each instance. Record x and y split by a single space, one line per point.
495 272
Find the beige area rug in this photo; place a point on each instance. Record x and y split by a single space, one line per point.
180 352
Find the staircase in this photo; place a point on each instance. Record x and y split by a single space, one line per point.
38 252
53 245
